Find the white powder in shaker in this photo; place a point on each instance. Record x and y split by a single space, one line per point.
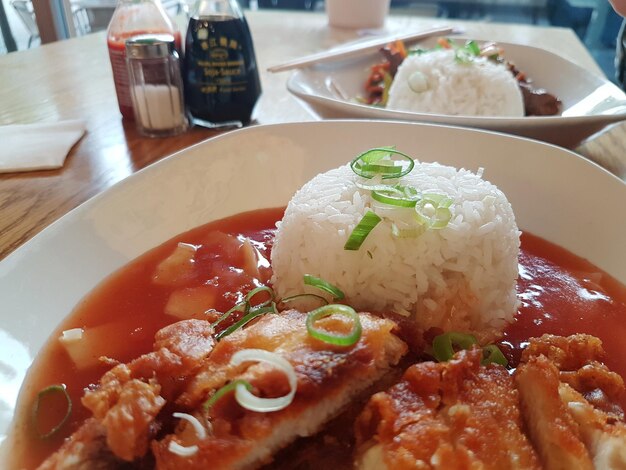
158 106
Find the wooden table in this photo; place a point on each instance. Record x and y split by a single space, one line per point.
72 80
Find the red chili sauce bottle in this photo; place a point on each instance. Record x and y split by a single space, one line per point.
132 18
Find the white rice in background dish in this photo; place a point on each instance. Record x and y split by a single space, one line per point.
458 278
437 83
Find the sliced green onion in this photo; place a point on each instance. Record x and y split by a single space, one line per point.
201 434
363 164
373 169
441 219
245 305
182 451
247 318
418 51
438 206
291 298
441 200
398 195
361 231
323 285
376 154
493 355
444 345
466 53
472 47
412 231
223 391
331 338
264 405
461 56
199 429
376 187
240 307
52 389
256 291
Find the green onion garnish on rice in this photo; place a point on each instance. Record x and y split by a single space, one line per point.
472 47
48 391
332 338
362 230
398 195
433 211
388 171
368 186
411 231
323 285
374 162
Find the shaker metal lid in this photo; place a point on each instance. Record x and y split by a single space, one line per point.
150 46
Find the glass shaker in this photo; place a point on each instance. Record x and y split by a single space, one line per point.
133 18
156 86
220 71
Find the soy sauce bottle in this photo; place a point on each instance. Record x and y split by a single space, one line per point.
220 72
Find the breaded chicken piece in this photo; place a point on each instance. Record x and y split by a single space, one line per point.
328 377
551 429
452 415
86 449
604 436
129 397
565 352
578 359
570 402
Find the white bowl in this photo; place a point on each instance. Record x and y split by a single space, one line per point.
555 194
590 102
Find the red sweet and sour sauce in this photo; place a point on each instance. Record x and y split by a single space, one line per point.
560 293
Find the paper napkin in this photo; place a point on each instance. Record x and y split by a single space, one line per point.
40 146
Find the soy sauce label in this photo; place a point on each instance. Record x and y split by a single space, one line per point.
221 78
221 65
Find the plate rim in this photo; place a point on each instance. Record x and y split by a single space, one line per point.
158 164
49 231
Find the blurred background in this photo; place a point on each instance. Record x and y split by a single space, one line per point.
594 21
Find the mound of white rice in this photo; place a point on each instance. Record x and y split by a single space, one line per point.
459 278
435 82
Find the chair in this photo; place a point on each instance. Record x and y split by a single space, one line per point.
26 13
98 17
175 7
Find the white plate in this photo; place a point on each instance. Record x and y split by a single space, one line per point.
590 102
555 194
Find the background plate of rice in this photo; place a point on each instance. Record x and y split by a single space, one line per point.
554 193
590 102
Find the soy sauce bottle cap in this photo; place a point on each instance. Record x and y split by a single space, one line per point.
150 46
